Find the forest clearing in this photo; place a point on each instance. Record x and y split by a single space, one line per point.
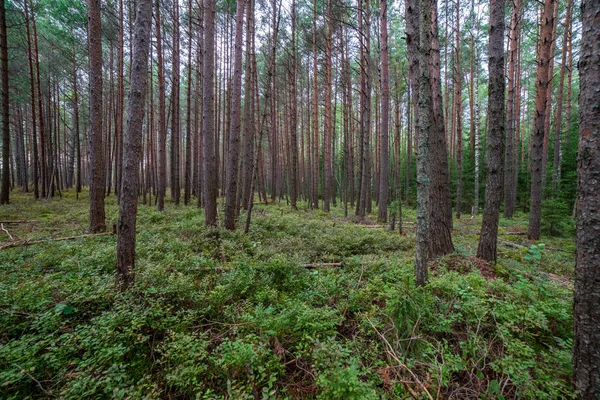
220 314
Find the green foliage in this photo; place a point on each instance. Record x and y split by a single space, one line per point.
216 314
557 219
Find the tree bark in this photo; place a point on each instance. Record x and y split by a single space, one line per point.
510 191
586 310
537 141
35 177
97 173
208 131
175 112
126 234
493 189
426 125
440 225
5 191
384 169
293 116
162 125
236 125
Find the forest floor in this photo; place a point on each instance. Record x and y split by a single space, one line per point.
223 315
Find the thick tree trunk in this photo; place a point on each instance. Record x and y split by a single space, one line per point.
493 189
426 125
440 226
97 173
586 345
126 237
537 141
384 169
327 121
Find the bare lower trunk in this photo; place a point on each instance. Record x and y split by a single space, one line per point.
97 173
133 145
586 345
493 188
537 142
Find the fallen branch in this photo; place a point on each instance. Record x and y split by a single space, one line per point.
7 232
314 265
392 353
30 242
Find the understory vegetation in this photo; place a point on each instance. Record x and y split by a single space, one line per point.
215 314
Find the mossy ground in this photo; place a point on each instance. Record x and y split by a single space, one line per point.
218 314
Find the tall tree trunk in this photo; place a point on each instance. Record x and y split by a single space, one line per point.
120 103
248 164
365 107
426 125
384 169
510 192
327 121
546 146
126 237
97 173
236 125
294 115
40 112
162 124
175 112
556 176
209 157
586 310
458 111
35 177
537 141
315 114
440 226
187 189
4 111
493 189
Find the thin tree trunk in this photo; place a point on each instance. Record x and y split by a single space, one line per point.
208 132
175 112
162 125
537 142
510 192
236 125
5 191
294 115
559 106
35 177
384 168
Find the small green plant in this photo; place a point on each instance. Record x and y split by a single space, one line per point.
534 252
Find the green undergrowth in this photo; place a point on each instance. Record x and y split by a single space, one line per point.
222 315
